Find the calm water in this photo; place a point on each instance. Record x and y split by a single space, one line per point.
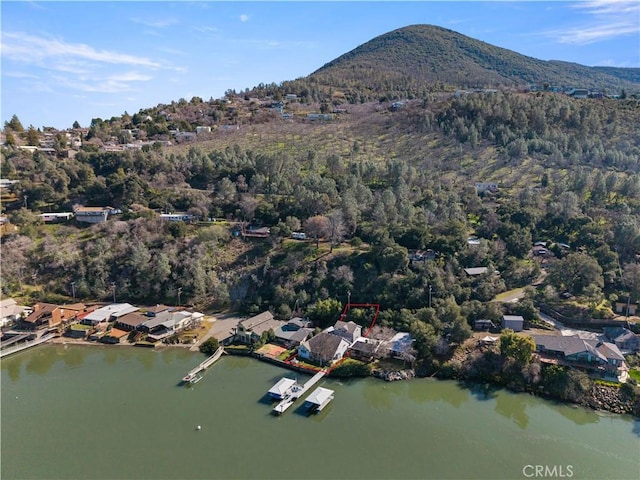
117 412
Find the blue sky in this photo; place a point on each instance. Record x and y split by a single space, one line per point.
67 61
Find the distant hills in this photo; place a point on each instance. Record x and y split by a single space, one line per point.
419 55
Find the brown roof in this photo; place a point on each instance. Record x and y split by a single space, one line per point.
116 333
324 345
157 309
132 319
39 311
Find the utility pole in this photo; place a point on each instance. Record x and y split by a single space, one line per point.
113 287
179 292
348 298
73 291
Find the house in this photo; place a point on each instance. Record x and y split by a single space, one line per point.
108 313
472 272
294 332
578 93
156 309
114 335
623 338
10 311
364 349
323 349
483 325
484 187
200 130
592 355
621 308
350 331
92 214
258 232
49 315
130 321
514 322
167 323
56 217
539 250
251 329
400 345
177 217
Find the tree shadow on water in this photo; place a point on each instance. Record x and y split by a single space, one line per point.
482 391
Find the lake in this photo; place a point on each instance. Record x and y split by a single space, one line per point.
110 412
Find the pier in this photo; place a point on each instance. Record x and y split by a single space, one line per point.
296 392
18 347
195 374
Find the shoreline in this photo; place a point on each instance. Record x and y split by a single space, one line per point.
601 395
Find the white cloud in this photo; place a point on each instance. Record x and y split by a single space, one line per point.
27 48
607 19
244 18
157 23
586 35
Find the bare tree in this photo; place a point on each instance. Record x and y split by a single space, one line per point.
337 228
318 227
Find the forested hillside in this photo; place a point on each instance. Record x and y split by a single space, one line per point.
388 182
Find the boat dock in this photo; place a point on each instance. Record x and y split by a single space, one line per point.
319 399
18 347
195 374
296 392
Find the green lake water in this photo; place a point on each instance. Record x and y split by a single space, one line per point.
107 412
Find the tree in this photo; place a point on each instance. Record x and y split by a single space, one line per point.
575 272
336 228
325 312
317 227
516 347
631 277
14 124
32 136
76 124
209 346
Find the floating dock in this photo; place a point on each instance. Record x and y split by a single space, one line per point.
195 375
296 392
318 399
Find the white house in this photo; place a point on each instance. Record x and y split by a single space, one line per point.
10 311
92 214
350 331
105 314
323 349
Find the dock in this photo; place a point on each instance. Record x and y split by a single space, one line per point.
195 374
25 345
296 392
319 399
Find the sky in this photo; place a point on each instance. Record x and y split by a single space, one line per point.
79 60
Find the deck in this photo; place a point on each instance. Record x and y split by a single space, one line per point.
296 393
193 376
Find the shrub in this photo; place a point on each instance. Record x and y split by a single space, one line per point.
209 346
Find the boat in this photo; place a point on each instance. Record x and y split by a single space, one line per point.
192 378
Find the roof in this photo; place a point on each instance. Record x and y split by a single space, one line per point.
347 326
324 345
39 311
9 308
297 336
476 270
320 395
157 309
251 323
573 345
362 346
513 318
91 209
400 342
117 333
132 319
282 387
619 334
103 314
166 319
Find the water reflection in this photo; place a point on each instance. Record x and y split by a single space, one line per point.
13 366
41 362
425 390
148 361
514 408
378 395
73 357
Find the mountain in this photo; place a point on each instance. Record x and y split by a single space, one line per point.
419 55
